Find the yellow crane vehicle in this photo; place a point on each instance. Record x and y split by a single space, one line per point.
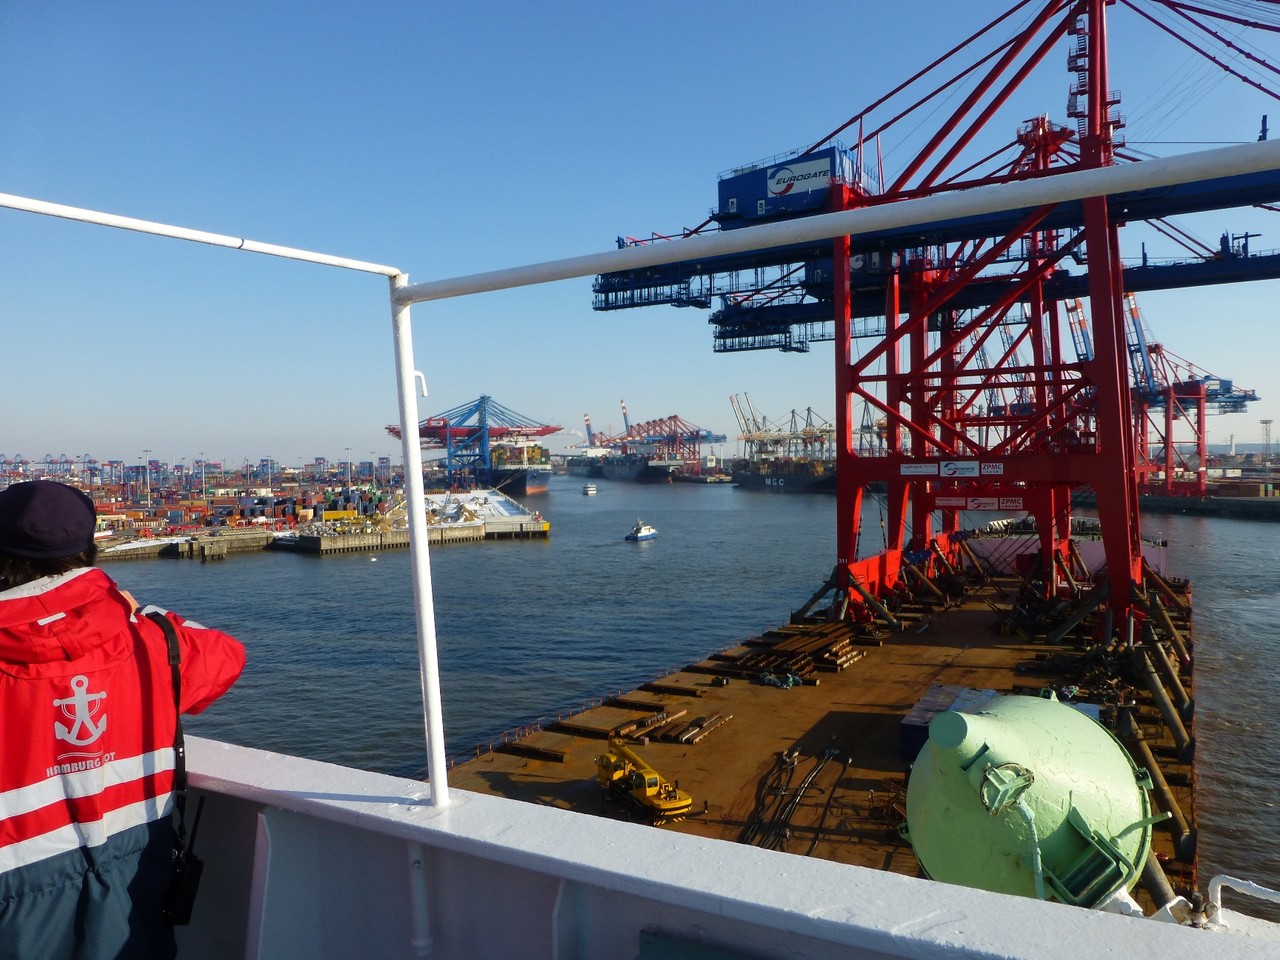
623 773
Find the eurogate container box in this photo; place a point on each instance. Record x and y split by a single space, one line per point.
782 187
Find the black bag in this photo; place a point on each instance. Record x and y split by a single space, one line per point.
187 867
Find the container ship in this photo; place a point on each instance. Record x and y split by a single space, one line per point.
522 481
639 468
588 461
520 470
786 475
794 454
654 451
589 465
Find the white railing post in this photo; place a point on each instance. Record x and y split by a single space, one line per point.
1246 887
416 505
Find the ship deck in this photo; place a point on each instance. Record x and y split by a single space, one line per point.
843 725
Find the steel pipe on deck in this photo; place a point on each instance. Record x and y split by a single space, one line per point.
1156 883
1164 666
1091 604
892 622
1171 631
1182 740
1184 838
1163 588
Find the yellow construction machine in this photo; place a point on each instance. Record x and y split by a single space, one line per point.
622 773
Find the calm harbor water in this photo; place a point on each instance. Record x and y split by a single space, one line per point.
530 629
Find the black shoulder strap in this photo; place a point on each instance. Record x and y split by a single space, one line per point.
179 744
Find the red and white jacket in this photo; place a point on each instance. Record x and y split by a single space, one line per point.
87 712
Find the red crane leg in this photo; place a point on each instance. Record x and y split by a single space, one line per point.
848 482
1117 495
898 489
918 405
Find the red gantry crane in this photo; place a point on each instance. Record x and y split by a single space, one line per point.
956 336
669 440
1169 392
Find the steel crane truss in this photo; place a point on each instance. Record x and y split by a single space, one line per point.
669 438
1169 391
928 380
732 276
1071 424
801 437
959 431
955 423
945 452
468 434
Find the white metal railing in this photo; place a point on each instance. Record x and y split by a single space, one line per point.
316 861
1077 185
1246 887
64 212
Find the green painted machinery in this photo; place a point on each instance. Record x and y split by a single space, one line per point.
1029 796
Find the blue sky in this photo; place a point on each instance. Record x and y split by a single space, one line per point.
450 138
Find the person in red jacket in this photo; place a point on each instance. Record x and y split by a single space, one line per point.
87 721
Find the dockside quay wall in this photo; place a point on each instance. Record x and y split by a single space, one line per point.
1236 507
212 547
515 528
369 542
217 546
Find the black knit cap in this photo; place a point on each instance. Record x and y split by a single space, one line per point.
44 520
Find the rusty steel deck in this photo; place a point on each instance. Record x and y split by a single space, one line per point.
819 767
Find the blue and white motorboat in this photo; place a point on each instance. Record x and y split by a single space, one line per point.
588 489
641 531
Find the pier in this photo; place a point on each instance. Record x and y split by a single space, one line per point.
518 528
452 518
1262 507
214 545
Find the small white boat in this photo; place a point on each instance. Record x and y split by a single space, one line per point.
588 489
641 531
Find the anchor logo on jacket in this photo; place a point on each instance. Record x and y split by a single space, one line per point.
81 708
